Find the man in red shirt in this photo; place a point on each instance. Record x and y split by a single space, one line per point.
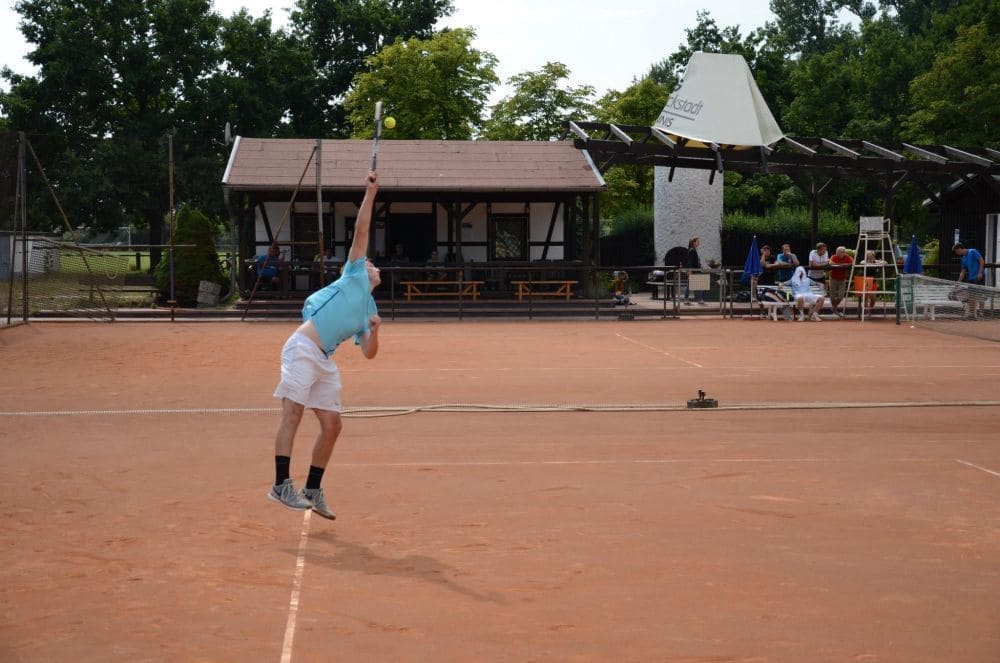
838 278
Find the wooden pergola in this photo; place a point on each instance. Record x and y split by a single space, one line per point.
812 163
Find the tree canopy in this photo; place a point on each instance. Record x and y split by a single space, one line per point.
539 105
435 88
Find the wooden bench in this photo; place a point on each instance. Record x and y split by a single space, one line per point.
451 289
772 307
527 289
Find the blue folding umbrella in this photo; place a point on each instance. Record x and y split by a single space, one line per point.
752 266
914 263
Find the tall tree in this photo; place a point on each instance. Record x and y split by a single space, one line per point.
265 81
340 35
112 81
958 100
708 37
539 105
435 88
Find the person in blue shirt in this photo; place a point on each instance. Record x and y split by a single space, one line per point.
309 376
788 261
973 265
973 271
269 267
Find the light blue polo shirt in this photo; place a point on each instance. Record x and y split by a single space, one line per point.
343 308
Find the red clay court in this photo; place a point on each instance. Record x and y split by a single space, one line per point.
842 505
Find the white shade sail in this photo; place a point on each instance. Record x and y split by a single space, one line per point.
718 102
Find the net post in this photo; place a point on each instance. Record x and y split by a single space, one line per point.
899 298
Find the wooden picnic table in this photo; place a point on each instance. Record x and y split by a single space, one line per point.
451 289
563 288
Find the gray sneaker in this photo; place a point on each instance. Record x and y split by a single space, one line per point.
286 495
315 498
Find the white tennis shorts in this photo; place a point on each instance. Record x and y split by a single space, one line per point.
810 298
308 377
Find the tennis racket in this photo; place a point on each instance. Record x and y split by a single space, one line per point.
378 132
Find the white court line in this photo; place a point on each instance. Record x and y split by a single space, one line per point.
625 461
965 462
663 352
554 369
610 461
293 604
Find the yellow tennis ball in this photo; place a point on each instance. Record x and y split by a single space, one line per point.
390 122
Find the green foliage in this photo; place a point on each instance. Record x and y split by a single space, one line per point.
825 93
538 106
435 88
633 228
757 193
340 36
191 265
635 219
639 104
705 36
958 100
114 79
789 221
267 83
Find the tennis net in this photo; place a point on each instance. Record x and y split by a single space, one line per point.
964 309
64 278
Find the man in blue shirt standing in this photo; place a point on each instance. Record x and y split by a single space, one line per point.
973 265
309 376
973 271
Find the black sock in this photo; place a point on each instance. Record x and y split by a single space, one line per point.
281 465
315 477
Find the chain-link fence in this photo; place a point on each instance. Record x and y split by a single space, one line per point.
84 222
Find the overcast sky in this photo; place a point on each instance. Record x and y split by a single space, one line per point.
604 44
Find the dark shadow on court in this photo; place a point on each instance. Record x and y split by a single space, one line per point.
350 556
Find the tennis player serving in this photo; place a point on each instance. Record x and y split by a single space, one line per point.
309 376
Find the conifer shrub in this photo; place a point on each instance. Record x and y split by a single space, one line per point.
192 265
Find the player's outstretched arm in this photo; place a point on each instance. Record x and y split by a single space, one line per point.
359 247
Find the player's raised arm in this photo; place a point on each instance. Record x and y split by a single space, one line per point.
359 247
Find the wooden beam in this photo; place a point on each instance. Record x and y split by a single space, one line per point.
548 235
993 153
799 147
575 128
607 164
882 151
718 156
621 135
934 196
961 155
925 154
464 213
662 137
267 223
838 148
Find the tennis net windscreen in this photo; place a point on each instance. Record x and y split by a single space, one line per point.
965 309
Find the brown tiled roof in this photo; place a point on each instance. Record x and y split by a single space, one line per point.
414 165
